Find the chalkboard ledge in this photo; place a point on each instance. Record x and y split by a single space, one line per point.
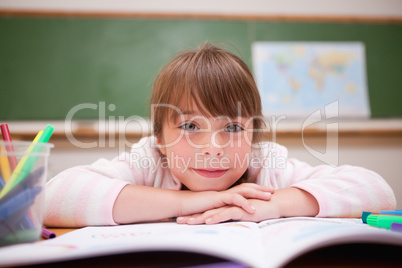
26 130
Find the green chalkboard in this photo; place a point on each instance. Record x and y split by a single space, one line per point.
105 67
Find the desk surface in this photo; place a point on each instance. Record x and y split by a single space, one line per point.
60 231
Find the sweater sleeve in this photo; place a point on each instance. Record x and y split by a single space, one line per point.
343 191
85 195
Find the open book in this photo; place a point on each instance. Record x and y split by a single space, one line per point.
271 243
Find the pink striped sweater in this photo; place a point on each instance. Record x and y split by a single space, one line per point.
85 195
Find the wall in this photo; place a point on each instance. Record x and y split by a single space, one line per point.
355 8
66 62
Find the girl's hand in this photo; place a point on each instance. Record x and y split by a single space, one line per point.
252 190
238 196
264 210
289 202
137 203
237 203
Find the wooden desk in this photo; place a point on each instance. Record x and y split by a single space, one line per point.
60 231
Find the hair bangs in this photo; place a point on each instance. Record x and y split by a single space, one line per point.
215 81
216 87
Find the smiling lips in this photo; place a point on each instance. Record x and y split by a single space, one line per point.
211 173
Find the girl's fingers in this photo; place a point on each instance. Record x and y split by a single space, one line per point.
232 213
195 219
236 197
214 216
255 186
255 192
266 196
188 219
258 187
238 200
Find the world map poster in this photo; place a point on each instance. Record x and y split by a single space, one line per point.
296 79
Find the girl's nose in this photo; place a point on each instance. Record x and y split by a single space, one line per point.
212 151
214 147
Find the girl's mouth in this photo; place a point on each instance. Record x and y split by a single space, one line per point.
211 173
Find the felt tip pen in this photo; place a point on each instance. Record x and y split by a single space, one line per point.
22 200
30 181
26 164
396 227
47 234
4 166
2 183
391 212
16 222
9 146
19 167
365 214
383 221
37 147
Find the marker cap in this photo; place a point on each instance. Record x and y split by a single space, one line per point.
365 214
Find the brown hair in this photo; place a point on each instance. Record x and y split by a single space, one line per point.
214 79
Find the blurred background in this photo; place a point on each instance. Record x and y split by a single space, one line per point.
87 67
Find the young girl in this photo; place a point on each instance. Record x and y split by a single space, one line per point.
206 162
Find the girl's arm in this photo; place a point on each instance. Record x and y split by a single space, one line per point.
142 203
343 191
303 190
289 202
107 193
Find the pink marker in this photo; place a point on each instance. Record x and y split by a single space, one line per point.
9 146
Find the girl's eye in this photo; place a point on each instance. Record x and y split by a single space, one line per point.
233 128
189 127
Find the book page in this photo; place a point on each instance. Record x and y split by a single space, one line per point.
235 241
285 239
271 243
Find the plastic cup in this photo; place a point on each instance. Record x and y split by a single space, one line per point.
22 193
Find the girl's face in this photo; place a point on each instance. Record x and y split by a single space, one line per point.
204 152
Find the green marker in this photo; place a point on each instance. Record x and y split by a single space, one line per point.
383 221
30 163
